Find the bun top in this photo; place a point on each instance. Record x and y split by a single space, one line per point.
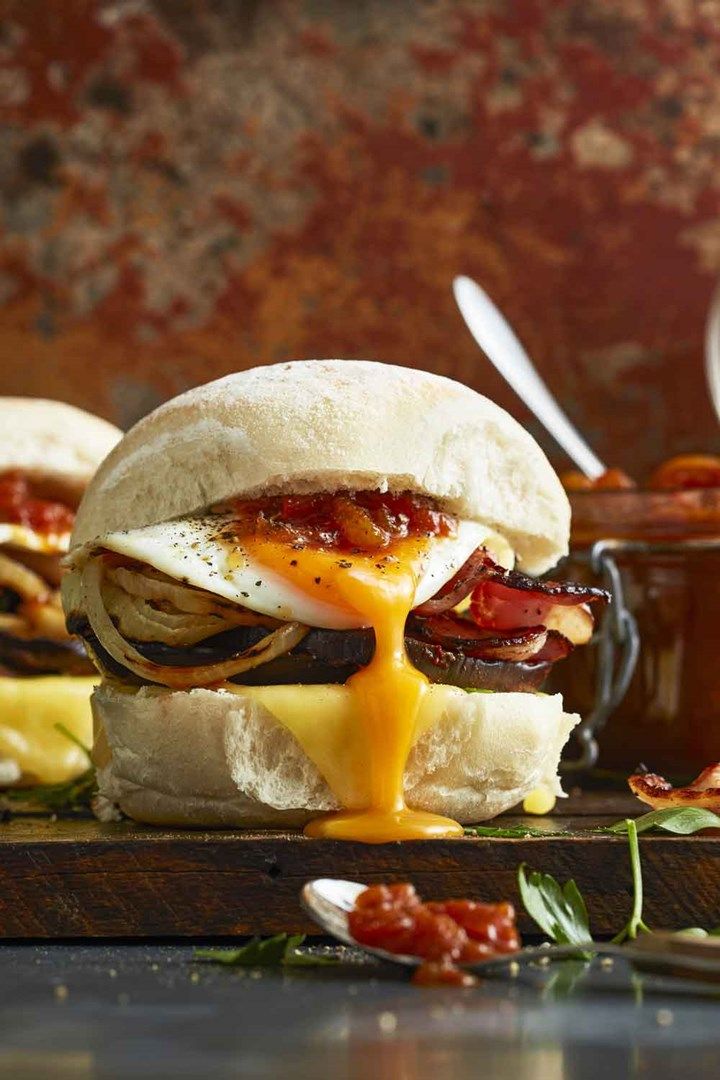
323 425
53 442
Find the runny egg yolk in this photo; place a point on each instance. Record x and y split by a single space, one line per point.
388 692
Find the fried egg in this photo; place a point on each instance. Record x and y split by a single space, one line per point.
202 551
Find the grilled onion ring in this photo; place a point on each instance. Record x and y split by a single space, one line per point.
180 678
140 620
24 582
150 585
462 636
146 607
458 587
44 620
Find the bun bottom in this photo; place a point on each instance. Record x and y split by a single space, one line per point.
219 758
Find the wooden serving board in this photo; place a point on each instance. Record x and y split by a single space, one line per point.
82 879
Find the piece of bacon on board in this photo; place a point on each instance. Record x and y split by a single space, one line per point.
656 791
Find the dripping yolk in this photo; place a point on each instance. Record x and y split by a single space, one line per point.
380 588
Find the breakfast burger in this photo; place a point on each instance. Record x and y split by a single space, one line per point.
306 588
48 452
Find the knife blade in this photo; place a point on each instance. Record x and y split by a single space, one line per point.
498 341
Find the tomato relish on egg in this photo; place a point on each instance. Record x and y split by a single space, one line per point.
345 521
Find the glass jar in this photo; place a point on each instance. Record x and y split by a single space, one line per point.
650 691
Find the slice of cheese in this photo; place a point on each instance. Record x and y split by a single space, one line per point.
323 720
29 710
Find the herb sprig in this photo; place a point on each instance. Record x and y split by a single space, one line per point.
512 832
561 911
282 950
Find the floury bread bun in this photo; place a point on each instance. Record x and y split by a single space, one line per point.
48 452
299 585
55 444
329 425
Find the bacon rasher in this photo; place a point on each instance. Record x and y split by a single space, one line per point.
659 793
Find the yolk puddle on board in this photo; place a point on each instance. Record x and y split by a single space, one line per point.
380 588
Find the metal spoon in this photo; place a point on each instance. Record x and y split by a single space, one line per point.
328 902
499 342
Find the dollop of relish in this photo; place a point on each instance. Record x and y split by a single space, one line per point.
443 934
343 520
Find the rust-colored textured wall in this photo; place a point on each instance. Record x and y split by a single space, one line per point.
194 186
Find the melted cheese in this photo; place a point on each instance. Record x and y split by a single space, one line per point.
29 710
540 801
325 721
387 694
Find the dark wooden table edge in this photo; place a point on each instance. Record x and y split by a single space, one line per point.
79 879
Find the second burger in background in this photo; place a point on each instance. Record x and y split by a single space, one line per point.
48 453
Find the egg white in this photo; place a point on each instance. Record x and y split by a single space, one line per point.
193 551
21 536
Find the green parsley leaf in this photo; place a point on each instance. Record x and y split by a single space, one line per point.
260 952
282 950
558 910
682 820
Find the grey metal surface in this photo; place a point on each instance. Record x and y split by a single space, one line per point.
150 1011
